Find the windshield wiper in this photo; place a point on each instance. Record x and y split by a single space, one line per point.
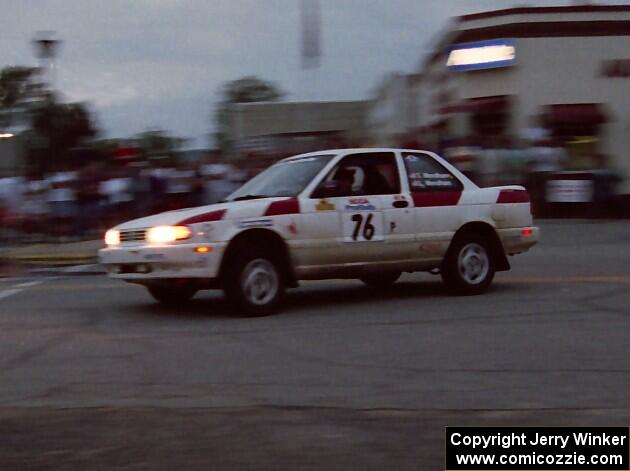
249 197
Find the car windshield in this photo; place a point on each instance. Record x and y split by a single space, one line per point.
286 178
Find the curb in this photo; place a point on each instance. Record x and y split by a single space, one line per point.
53 260
73 270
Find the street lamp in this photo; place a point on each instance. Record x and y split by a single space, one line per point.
46 47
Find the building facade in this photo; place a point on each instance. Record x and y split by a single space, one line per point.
279 129
12 154
392 113
557 74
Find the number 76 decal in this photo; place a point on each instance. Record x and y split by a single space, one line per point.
368 228
363 227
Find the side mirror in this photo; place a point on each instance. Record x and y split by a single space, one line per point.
329 189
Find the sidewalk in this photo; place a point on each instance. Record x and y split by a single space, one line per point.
51 254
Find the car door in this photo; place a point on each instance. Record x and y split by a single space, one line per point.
435 192
374 220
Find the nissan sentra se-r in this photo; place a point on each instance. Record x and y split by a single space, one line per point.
369 214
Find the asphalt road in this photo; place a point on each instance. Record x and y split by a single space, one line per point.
94 374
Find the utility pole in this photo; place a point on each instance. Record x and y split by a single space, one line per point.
311 50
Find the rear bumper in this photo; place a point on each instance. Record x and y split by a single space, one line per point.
518 240
138 263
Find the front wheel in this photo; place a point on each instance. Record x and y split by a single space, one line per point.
171 296
255 285
469 266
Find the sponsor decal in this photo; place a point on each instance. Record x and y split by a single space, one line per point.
154 256
201 262
324 205
399 198
264 222
292 227
359 204
360 207
445 183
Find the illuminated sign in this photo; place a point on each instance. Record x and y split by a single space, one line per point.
482 55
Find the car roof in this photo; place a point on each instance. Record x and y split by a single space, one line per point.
358 150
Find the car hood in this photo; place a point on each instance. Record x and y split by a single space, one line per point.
231 210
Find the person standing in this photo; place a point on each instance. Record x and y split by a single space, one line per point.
88 199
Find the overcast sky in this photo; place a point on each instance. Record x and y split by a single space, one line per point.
158 63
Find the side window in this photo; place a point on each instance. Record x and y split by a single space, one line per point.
427 174
364 174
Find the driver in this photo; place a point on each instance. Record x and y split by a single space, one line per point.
345 179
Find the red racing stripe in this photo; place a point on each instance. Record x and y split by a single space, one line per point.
436 198
513 196
205 217
288 206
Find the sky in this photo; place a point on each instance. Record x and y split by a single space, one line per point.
159 64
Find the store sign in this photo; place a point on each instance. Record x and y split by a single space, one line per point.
482 55
569 191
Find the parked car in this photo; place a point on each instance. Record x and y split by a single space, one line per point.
369 214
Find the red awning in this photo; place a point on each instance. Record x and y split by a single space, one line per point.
485 104
575 114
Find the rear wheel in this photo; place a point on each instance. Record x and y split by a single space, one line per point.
469 265
255 284
381 280
172 295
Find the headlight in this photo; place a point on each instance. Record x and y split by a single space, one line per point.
112 237
166 234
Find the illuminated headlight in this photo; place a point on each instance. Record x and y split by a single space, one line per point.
166 234
112 237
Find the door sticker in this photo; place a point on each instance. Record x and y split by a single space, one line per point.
359 204
363 226
324 205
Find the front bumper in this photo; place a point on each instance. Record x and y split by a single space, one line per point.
145 262
518 240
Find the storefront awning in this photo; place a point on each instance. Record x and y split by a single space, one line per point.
575 114
486 104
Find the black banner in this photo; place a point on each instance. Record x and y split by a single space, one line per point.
537 448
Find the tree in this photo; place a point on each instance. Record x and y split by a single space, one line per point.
19 89
244 90
59 127
158 146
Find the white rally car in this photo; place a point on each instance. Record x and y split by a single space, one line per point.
369 214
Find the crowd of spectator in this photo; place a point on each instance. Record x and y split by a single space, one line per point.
80 204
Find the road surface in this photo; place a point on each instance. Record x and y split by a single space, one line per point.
93 372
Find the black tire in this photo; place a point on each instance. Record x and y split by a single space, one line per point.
254 284
381 280
469 266
171 296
